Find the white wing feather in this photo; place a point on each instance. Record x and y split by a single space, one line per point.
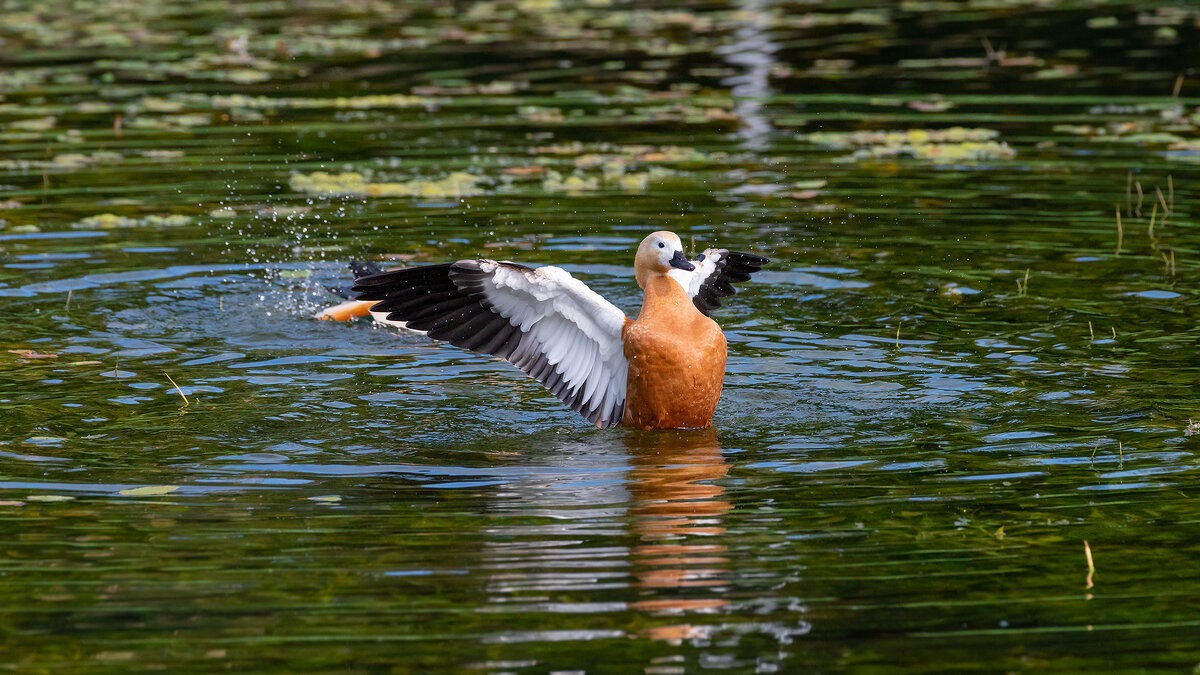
543 321
579 332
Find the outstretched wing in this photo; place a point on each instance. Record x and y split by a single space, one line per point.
543 321
716 271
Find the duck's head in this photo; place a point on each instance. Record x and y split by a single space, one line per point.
657 254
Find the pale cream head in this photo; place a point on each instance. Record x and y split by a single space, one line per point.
654 255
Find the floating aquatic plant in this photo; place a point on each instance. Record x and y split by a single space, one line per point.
110 221
612 175
63 162
184 121
556 182
1171 126
164 155
956 144
37 124
354 184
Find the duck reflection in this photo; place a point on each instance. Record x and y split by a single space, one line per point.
612 524
676 503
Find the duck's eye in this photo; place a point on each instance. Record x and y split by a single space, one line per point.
661 245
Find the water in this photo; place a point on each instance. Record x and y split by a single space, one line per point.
957 370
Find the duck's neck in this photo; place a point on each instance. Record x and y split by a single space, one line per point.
662 296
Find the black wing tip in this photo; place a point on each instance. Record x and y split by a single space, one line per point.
362 268
340 292
732 267
747 258
397 280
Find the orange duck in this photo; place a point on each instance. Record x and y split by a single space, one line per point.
662 370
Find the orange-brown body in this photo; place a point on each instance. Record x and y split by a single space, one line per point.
676 359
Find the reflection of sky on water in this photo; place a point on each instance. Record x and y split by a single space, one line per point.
751 52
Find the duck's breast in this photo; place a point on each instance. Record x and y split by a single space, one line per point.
676 370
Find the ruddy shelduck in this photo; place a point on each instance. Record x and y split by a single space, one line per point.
662 370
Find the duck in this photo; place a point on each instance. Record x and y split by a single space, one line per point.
663 369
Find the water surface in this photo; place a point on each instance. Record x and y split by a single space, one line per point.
957 370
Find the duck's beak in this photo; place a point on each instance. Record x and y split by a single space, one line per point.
681 263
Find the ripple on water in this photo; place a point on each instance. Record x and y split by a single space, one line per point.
907 410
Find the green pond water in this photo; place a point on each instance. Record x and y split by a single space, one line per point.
957 369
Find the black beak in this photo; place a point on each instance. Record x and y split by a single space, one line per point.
681 263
